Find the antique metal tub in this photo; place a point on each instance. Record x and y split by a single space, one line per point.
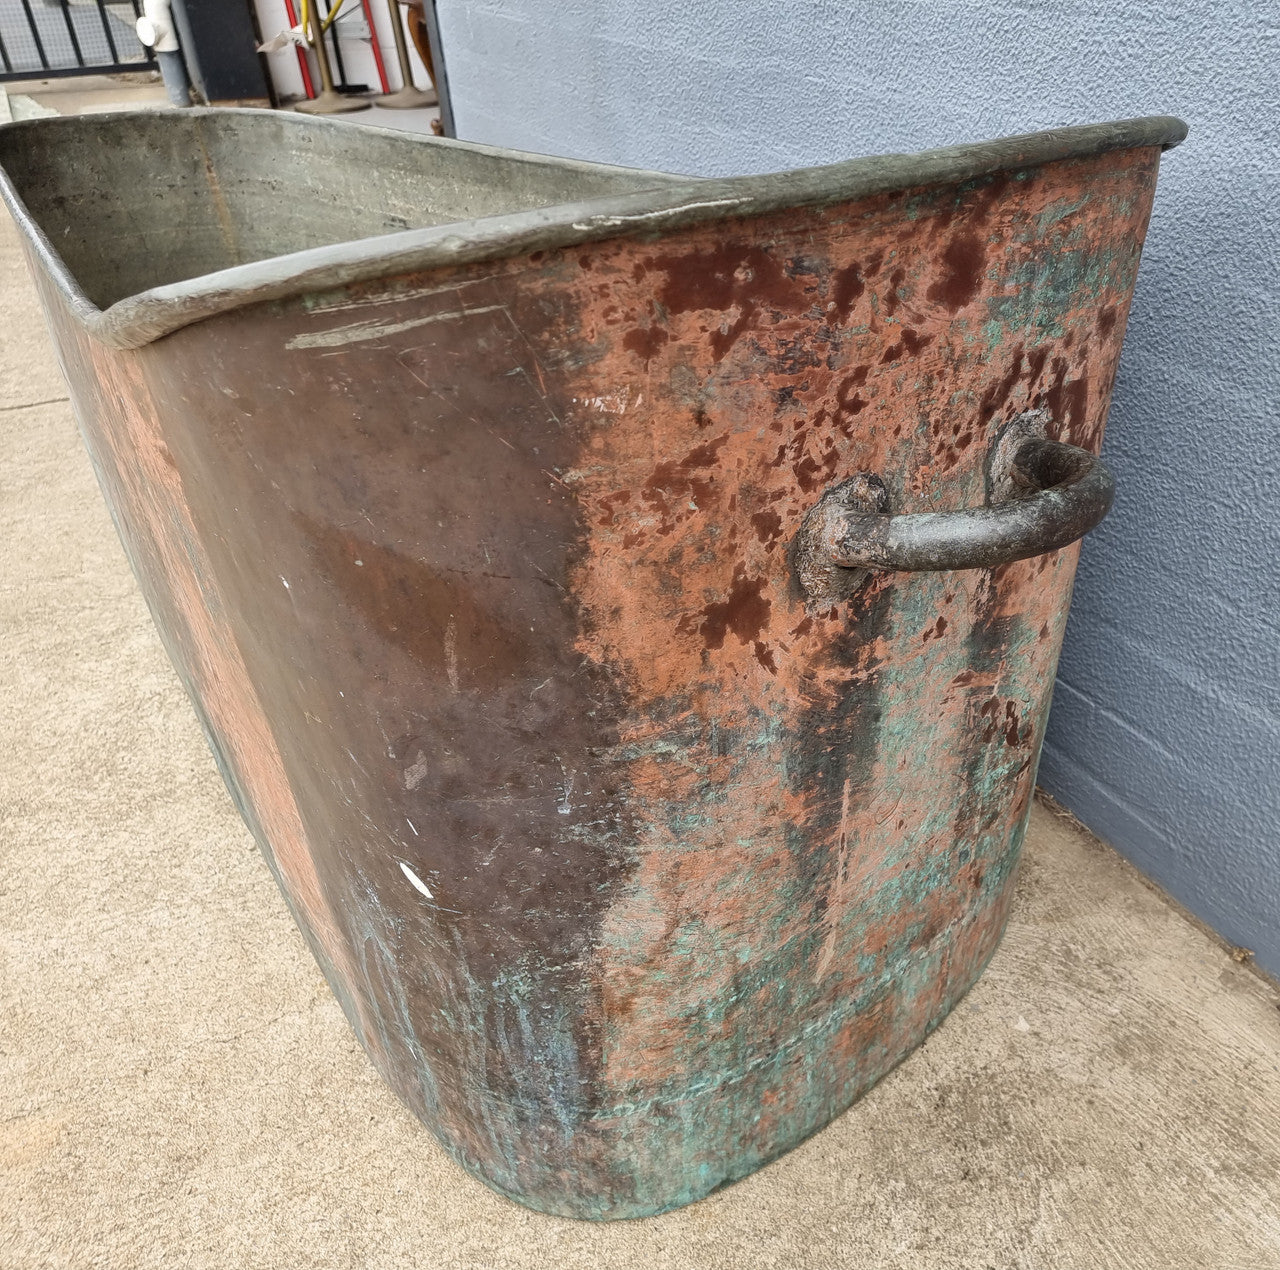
554 556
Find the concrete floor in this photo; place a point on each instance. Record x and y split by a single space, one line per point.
82 95
178 1087
110 94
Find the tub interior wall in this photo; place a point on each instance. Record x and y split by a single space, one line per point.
143 202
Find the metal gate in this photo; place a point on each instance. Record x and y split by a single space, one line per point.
41 39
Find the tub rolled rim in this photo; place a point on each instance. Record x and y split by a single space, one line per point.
671 203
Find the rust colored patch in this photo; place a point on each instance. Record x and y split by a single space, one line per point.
1067 400
721 279
744 612
645 342
609 504
846 289
704 455
768 527
764 655
909 345
999 392
963 263
890 298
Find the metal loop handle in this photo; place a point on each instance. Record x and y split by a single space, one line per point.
1057 493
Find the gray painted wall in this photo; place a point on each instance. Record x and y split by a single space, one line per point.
1165 736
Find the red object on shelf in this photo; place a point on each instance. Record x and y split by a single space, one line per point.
292 15
373 40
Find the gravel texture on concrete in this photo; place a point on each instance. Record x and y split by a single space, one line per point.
179 1088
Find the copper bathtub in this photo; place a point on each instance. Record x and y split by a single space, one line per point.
624 608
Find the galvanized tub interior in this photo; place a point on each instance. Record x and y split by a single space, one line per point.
471 493
209 190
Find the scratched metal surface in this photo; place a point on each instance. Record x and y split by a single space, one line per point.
630 871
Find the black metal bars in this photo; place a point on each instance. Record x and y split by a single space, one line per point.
47 39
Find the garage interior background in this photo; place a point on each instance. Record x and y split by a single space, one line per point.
1165 733
357 48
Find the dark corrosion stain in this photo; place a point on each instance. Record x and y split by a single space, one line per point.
986 647
1107 321
890 298
432 616
1077 406
998 393
783 396
802 352
670 488
846 290
764 655
768 527
909 345
1067 401
728 276
936 631
609 505
849 402
942 220
1052 397
807 470
990 717
744 612
829 460
645 342
1035 364
804 267
963 263
991 195
835 743
1011 723
704 455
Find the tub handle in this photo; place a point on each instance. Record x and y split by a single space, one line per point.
1042 495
